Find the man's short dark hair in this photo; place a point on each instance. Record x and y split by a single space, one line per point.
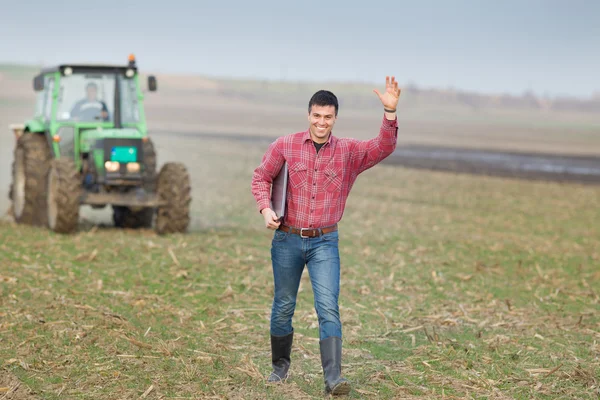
323 98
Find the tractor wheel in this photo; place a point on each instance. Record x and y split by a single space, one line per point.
125 217
174 189
64 195
29 173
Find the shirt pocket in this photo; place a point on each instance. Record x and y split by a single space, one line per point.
298 175
333 179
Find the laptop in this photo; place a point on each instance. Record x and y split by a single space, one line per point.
279 191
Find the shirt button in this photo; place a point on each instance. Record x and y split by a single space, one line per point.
313 197
315 184
315 170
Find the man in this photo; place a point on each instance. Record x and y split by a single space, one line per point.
90 109
322 170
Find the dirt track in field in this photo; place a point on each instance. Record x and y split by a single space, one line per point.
549 167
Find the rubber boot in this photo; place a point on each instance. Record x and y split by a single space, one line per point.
281 348
331 360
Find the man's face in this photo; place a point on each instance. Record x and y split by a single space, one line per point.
321 120
91 93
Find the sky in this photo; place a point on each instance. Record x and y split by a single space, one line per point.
550 47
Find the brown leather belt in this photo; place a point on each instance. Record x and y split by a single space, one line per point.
309 232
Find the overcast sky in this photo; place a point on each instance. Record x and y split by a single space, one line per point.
497 46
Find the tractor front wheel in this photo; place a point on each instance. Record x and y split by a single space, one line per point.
64 193
174 189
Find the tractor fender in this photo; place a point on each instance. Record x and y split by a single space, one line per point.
34 125
29 126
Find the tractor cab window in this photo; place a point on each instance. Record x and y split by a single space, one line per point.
130 111
49 89
86 98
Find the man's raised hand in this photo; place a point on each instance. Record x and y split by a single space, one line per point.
392 93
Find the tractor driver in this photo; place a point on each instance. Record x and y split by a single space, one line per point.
90 108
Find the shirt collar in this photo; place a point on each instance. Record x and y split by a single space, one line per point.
331 140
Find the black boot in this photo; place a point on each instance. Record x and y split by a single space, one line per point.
331 359
281 348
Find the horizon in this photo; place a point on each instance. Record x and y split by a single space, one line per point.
405 85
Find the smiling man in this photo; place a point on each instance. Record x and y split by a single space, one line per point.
322 170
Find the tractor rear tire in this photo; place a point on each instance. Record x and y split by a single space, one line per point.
32 158
64 195
125 217
174 188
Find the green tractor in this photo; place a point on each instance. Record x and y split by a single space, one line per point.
88 144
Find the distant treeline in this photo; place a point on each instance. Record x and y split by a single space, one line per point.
359 95
528 100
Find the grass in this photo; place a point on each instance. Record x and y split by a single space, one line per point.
453 286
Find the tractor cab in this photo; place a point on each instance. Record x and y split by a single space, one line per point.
89 127
75 101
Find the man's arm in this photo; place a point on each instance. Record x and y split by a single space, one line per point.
367 153
76 107
262 180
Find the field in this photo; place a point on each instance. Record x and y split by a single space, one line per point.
453 286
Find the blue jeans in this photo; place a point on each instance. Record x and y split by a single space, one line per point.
289 254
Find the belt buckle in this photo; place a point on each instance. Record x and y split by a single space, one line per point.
302 236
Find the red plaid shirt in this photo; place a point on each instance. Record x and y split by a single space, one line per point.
319 183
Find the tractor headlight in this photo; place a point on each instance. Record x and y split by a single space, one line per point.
112 166
133 167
